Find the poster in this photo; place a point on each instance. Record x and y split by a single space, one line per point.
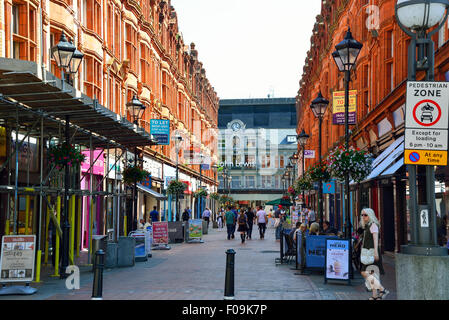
17 258
195 229
160 129
338 107
160 233
337 259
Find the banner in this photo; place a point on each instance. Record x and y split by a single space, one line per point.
309 154
160 233
195 229
17 258
338 107
337 259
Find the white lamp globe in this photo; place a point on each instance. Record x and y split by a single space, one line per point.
421 16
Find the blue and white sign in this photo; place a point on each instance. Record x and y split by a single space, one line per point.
329 187
160 129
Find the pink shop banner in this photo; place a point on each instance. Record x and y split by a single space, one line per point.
98 167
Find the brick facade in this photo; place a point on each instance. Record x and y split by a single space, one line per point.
379 78
131 47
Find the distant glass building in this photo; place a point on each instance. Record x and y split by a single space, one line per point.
256 139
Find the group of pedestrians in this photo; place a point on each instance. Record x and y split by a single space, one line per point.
243 220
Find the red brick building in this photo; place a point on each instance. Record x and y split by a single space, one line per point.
379 78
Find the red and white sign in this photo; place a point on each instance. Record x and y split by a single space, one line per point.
426 117
160 232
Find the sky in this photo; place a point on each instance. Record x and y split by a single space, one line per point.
250 48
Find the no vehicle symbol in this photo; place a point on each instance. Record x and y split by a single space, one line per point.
427 113
414 157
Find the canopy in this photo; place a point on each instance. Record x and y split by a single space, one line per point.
281 202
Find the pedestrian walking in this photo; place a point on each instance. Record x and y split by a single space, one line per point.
311 216
185 215
261 221
220 219
370 254
242 225
206 216
250 215
154 215
278 222
236 215
230 222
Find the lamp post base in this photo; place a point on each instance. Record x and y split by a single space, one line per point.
421 277
424 250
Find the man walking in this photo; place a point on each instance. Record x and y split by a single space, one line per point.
277 216
250 215
206 216
230 222
154 215
262 221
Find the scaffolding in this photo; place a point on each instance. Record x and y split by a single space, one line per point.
34 104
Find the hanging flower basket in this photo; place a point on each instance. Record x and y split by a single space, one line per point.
200 193
226 200
215 196
176 187
132 174
356 162
291 191
319 172
65 154
303 184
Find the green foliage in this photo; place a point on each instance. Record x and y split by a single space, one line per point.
134 174
65 154
176 187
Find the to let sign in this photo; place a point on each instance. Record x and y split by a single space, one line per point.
426 123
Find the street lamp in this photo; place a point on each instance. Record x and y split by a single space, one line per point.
63 53
345 57
302 139
416 17
136 109
178 139
319 106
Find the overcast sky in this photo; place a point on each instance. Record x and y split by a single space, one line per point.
250 48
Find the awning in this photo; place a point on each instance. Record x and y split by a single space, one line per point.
281 202
387 161
151 192
393 168
40 93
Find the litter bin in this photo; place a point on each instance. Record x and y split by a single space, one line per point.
98 242
205 231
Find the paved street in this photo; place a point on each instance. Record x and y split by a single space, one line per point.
197 272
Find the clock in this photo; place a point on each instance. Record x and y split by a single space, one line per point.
236 126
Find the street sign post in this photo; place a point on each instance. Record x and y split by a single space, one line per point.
426 123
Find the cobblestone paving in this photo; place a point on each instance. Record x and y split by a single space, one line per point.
196 271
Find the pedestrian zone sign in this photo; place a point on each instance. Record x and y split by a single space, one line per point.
426 123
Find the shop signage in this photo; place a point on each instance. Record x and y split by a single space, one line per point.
17 258
160 129
426 123
195 229
329 187
98 165
337 259
160 233
309 154
338 107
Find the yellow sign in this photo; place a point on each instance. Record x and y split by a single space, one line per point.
425 157
338 107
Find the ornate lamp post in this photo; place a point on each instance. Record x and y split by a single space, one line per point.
294 160
68 58
178 139
416 17
302 139
345 57
136 109
319 106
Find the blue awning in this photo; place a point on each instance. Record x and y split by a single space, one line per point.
151 192
394 168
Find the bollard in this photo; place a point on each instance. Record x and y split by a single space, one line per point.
229 281
97 288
